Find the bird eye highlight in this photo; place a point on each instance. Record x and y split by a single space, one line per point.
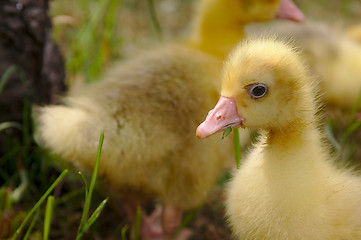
257 90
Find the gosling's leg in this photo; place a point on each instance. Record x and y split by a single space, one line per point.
151 226
171 221
161 224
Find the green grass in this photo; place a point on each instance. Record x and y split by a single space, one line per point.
92 40
38 204
5 77
236 144
91 36
237 147
48 216
124 232
154 19
86 220
30 228
137 224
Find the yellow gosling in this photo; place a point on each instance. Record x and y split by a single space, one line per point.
288 186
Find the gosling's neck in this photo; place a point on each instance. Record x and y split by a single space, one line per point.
294 131
216 30
294 168
299 138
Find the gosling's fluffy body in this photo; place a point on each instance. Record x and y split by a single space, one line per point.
149 146
287 187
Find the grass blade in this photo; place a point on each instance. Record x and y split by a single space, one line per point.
37 205
48 215
355 107
124 232
138 221
188 218
18 192
6 125
27 234
154 19
352 127
4 78
226 132
91 188
237 147
93 217
331 136
85 184
109 41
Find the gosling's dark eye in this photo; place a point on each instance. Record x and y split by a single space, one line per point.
257 90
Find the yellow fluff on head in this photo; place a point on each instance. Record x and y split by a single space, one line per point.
268 59
288 187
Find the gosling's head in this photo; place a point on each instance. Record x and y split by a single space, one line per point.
265 84
265 10
248 11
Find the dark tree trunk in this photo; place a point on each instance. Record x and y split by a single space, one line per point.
26 45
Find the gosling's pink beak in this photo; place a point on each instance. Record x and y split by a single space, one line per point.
223 115
289 10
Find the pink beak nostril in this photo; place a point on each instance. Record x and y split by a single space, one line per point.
218 117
